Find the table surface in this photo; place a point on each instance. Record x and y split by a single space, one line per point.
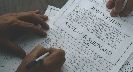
13 6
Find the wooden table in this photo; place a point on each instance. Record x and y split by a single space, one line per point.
12 6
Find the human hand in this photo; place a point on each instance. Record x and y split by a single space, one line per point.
52 63
14 25
118 4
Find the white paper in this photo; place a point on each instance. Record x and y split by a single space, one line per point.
79 56
119 43
9 62
51 11
128 65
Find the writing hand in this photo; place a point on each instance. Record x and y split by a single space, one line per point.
118 4
13 25
52 63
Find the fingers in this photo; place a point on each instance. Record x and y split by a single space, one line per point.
33 17
51 63
30 27
38 51
13 48
40 20
56 55
36 12
110 4
118 4
34 54
44 17
117 9
59 65
128 8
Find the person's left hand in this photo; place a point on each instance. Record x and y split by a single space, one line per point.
117 7
14 25
52 63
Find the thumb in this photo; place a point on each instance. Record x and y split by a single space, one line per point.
14 48
35 53
38 51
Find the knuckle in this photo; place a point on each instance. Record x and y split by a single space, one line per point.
3 40
111 1
31 14
57 52
120 1
62 52
64 59
40 47
30 25
12 21
47 64
129 6
31 56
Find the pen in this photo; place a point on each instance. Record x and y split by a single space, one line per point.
34 62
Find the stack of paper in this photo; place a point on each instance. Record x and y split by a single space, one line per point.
93 41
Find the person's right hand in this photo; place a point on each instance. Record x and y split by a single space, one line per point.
14 25
52 63
117 7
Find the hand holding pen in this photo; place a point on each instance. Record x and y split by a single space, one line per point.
52 61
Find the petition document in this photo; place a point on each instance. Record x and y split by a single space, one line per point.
93 41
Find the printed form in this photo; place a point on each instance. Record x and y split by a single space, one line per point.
93 41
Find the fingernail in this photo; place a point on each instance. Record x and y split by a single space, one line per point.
113 13
44 34
37 10
46 27
23 55
109 5
45 17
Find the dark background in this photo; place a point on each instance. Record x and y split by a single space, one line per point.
13 6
